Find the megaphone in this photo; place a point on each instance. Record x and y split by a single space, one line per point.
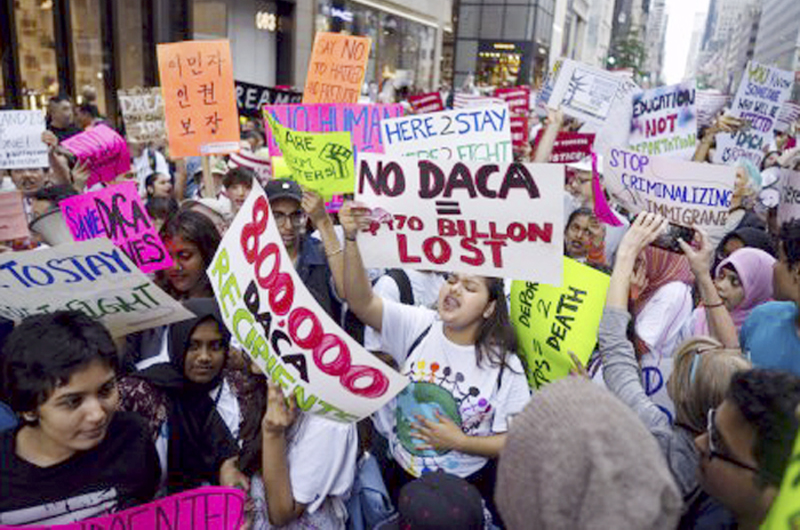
52 228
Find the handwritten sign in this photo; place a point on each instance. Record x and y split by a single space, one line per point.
543 96
584 92
518 98
426 103
285 332
463 100
784 514
210 507
686 193
103 150
664 121
552 321
336 69
251 99
569 147
199 99
21 143
789 114
708 104
13 221
118 213
519 131
762 92
789 205
92 276
615 130
470 217
363 122
479 134
143 112
322 162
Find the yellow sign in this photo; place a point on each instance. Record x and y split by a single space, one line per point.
552 321
279 168
785 511
322 162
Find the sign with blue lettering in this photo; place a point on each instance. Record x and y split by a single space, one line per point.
479 134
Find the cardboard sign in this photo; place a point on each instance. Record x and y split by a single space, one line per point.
664 121
784 514
143 113
708 103
426 103
479 134
118 213
503 220
762 92
519 131
336 69
552 321
13 221
686 193
94 277
209 507
285 332
584 92
251 99
789 114
322 162
103 150
21 143
569 147
199 97
363 122
517 98
789 205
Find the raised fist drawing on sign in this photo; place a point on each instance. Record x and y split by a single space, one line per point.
337 156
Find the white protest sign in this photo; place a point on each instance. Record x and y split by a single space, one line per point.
708 103
464 100
686 193
266 306
584 92
503 220
789 114
93 277
480 134
789 205
143 113
615 130
664 121
761 94
21 143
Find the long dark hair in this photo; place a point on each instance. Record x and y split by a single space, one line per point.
495 339
194 228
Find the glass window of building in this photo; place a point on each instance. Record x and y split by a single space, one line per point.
37 51
87 51
210 19
130 42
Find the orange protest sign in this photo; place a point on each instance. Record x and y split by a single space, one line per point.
199 97
337 67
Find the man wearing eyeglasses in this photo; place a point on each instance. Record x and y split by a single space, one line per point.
318 263
748 443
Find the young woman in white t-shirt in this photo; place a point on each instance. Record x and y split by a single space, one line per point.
466 380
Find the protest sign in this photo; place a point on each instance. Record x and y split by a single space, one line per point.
784 513
199 97
543 96
336 69
686 193
463 100
584 92
143 113
426 103
762 92
552 321
664 121
788 115
519 131
251 99
480 134
209 507
362 121
103 150
283 329
615 130
13 221
517 98
118 213
322 162
503 220
789 205
569 147
708 103
92 276
21 143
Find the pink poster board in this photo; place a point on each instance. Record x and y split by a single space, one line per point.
569 147
117 212
103 149
362 121
518 98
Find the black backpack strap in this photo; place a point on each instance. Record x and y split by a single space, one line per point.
403 284
418 340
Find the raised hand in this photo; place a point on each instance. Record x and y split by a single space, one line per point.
281 412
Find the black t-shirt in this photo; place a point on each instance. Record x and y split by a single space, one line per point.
121 472
66 132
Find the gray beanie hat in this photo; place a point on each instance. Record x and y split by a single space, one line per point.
578 458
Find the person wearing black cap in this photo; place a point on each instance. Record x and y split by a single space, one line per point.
318 263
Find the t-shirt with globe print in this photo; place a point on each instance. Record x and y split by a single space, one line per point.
445 378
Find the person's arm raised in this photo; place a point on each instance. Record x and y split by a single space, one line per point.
555 118
314 206
357 289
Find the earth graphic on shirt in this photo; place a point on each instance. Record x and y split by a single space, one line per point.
423 399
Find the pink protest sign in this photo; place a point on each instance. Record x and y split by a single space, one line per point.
426 103
519 131
518 98
117 212
569 147
211 507
103 149
362 121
